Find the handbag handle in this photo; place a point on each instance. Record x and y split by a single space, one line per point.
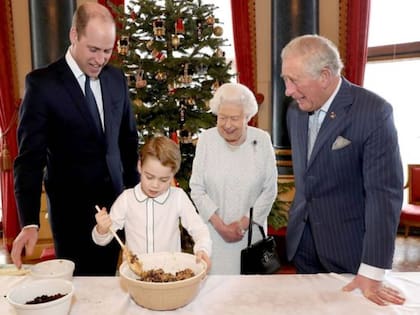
251 222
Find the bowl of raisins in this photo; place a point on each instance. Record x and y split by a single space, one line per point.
42 297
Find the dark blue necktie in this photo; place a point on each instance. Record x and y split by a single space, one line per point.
93 108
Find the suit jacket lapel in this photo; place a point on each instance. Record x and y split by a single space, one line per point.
71 85
302 136
334 120
106 87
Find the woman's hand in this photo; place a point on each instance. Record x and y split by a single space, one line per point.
103 221
232 232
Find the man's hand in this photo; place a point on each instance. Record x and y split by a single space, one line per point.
27 239
375 291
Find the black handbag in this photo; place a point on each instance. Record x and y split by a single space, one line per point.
261 257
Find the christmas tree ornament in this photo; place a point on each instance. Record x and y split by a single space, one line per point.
159 27
175 41
219 53
122 45
201 69
179 26
210 20
149 45
131 79
174 137
182 112
172 88
185 136
140 82
161 76
191 101
133 15
138 102
207 104
199 28
186 74
218 30
158 55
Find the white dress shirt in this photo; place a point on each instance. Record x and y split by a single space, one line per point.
152 224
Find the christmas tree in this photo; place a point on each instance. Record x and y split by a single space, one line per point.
171 52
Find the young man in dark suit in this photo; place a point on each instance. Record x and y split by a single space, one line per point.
348 175
85 156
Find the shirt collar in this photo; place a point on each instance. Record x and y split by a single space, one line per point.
141 196
74 67
328 103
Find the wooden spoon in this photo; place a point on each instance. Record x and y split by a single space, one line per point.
133 261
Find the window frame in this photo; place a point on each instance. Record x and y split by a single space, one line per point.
394 52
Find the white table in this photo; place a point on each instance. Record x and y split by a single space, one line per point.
242 295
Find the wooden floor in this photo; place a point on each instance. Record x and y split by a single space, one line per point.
407 254
406 257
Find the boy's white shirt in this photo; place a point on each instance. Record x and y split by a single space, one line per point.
152 224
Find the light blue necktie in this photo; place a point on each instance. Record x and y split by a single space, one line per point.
313 129
93 108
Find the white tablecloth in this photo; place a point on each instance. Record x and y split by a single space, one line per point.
242 295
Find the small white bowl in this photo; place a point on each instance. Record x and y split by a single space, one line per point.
20 295
54 268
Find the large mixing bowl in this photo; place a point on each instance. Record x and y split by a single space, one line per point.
164 295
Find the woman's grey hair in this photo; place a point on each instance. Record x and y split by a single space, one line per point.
318 53
237 94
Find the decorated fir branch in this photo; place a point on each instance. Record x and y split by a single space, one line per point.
172 54
279 213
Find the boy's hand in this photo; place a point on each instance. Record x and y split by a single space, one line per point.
202 255
103 221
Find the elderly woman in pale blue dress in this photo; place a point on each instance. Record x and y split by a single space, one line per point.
234 169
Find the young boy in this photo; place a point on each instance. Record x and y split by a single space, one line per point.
150 212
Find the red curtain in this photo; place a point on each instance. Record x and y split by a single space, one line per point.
244 36
116 2
9 101
354 28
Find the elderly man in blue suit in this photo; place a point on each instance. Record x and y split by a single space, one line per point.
347 168
85 155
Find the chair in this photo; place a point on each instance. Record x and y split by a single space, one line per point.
47 253
410 212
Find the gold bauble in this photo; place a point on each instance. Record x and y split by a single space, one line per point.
160 76
218 30
210 20
138 102
175 41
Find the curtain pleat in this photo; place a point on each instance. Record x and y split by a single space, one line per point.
9 101
244 36
354 28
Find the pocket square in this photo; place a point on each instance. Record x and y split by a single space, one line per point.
340 143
